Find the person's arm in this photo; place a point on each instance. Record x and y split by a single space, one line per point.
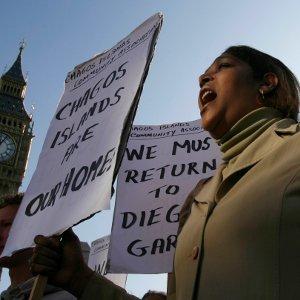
62 262
98 287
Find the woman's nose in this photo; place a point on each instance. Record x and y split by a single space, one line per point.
203 79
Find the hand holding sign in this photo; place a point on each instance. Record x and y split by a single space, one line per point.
62 262
64 265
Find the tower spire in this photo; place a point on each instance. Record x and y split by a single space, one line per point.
15 71
22 45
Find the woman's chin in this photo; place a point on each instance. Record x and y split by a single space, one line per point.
212 128
206 122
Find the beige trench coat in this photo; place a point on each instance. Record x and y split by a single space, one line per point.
241 238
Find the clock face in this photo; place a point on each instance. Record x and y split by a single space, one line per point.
7 147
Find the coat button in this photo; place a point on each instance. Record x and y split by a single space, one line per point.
195 252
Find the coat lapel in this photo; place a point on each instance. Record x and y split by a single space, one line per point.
206 196
203 205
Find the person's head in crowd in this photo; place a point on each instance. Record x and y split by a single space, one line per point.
8 209
154 295
17 264
243 79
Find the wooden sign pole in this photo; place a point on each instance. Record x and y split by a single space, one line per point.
38 288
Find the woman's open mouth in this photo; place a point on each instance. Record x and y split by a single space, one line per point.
206 96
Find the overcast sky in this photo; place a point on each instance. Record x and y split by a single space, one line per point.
63 33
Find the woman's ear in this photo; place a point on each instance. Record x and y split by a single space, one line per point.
269 83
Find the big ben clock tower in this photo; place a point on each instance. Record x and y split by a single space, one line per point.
15 128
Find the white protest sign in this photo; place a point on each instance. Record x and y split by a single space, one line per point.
98 261
74 175
161 166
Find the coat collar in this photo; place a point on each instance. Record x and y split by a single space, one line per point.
268 141
247 130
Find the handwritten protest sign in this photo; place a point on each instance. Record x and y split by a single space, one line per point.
86 138
98 261
161 166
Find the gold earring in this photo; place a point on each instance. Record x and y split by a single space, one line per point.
262 94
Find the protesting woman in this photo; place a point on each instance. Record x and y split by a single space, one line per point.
240 230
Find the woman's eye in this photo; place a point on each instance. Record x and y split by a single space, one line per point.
224 65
